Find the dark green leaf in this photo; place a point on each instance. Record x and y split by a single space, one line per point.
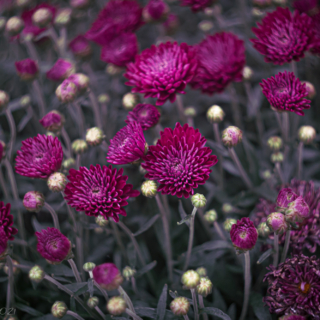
218 300
218 147
28 310
265 255
261 312
232 311
146 269
77 288
161 308
73 304
147 225
61 270
215 312
229 166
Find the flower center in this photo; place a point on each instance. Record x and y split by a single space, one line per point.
243 235
54 245
39 156
304 287
144 113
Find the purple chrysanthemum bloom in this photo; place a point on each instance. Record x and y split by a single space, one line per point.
121 50
197 5
179 161
305 6
116 17
316 43
294 286
297 211
107 276
292 317
283 37
61 70
53 245
162 71
146 114
6 221
53 121
80 46
27 69
39 157
155 10
285 92
285 196
128 145
3 242
221 59
99 191
243 234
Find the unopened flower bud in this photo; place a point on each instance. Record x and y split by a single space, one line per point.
202 271
215 114
94 136
128 272
310 89
63 17
92 302
285 196
206 26
277 157
33 201
209 12
306 134
57 182
59 309
22 3
263 230
227 225
190 112
198 200
101 221
277 223
4 100
67 91
116 306
297 211
10 317
155 11
231 136
68 163
257 13
149 188
79 146
14 26
113 70
275 143
36 274
80 80
104 98
79 4
211 216
227 208
98 230
42 17
247 73
204 287
180 306
88 266
266 174
130 100
190 279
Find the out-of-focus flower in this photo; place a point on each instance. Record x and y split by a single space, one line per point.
80 46
285 196
81 81
107 276
285 92
27 69
66 91
94 136
162 71
33 201
149 188
99 190
171 24
306 134
292 317
53 121
116 305
63 17
116 17
263 229
228 223
316 42
179 161
197 5
128 145
310 87
79 4
231 136
3 243
61 70
283 36
180 306
155 10
42 17
130 100
6 221
39 157
4 99
190 279
53 245
275 143
14 26
79 146
294 285
146 114
221 59
204 287
297 211
121 50
306 6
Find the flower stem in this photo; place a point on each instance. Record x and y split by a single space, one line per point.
300 153
63 41
243 174
134 285
195 304
276 249
78 161
277 114
80 119
166 230
13 132
31 49
96 109
118 238
220 158
103 292
67 141
53 215
38 93
286 246
79 252
191 235
235 107
74 270
219 231
278 168
3 184
133 315
185 317
247 284
285 125
294 68
10 292
54 37
201 305
126 298
75 315
180 108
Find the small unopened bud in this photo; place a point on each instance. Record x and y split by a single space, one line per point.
306 134
63 17
310 89
227 208
14 26
149 188
116 306
59 309
266 174
204 287
89 266
101 221
25 100
297 211
190 112
180 306
277 223
277 157
10 317
22 3
98 230
68 163
92 302
202 271
113 70
79 4
206 26
231 136
130 100
211 216
275 143
209 12
247 73
79 146
263 230
257 13
67 91
94 136
42 17
190 279
228 224
128 272
104 98
198 200
4 100
36 274
33 201
215 114
57 182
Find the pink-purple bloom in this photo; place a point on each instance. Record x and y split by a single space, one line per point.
297 211
305 6
155 10
283 36
80 46
285 196
53 121
61 70
196 5
285 92
128 145
27 69
294 286
145 114
99 191
221 59
277 223
39 157
6 221
162 71
292 317
53 245
179 161
107 276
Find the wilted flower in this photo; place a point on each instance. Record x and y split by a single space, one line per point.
39 157
80 46
145 114
155 10
285 92
162 71
61 70
196 5
6 221
221 59
179 161
53 121
99 191
33 201
107 276
27 69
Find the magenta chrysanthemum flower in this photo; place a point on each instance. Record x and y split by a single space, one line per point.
120 50
61 70
53 121
39 157
283 37
197 5
285 196
285 92
107 276
155 10
179 161
27 69
294 286
128 145
316 43
221 59
116 17
162 71
99 191
146 114
3 242
53 245
80 46
6 221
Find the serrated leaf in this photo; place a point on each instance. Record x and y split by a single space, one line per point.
28 310
261 312
146 269
184 220
215 312
77 288
147 225
161 307
265 255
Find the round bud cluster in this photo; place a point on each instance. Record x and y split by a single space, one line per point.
277 157
263 230
57 182
190 279
36 274
94 136
198 200
202 271
128 272
116 305
92 302
227 225
211 216
79 146
4 100
204 288
180 306
231 136
275 143
33 201
59 309
190 112
42 17
306 134
88 266
101 221
149 188
215 114
247 73
130 100
14 26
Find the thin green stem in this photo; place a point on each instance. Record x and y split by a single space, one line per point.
13 132
31 49
236 111
96 109
79 251
54 37
180 107
3 185
278 169
201 305
80 119
220 157
276 249
286 246
247 284
67 141
278 118
74 270
10 292
118 238
39 95
78 161
126 298
133 315
75 315
285 125
195 304
219 230
294 68
103 292
300 153
53 215
134 285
